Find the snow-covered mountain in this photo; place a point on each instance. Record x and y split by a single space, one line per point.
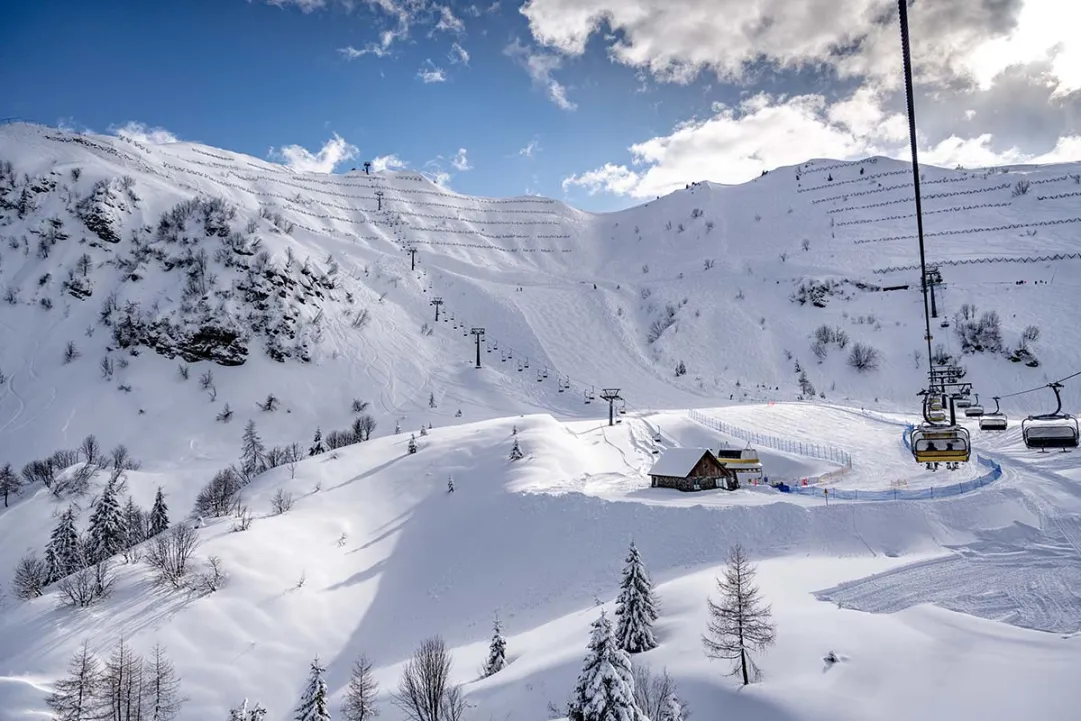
158 296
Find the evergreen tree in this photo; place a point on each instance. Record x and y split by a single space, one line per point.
244 713
412 443
450 484
134 526
359 704
635 607
252 452
497 651
673 709
424 430
515 451
77 697
159 514
317 444
605 690
123 684
9 482
313 704
106 531
63 554
397 427
431 400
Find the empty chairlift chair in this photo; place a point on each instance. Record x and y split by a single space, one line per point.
935 413
962 402
1051 430
975 410
995 421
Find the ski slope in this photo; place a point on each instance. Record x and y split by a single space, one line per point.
961 607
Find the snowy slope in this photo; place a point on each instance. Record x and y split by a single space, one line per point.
536 541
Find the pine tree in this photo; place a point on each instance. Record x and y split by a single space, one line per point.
76 697
450 484
431 400
605 690
412 443
106 531
159 515
741 621
317 444
313 704
423 430
497 651
162 690
253 452
397 427
9 482
243 713
635 607
134 525
673 709
63 554
359 704
515 451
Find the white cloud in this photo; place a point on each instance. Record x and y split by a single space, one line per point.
530 149
431 73
379 49
133 130
737 143
540 65
439 177
306 6
458 54
1067 150
388 162
335 151
447 22
460 161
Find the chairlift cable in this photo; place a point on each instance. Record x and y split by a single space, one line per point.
1041 387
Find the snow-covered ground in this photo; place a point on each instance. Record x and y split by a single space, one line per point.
964 607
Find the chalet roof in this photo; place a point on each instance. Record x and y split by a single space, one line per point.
677 462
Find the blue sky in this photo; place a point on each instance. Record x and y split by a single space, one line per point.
603 103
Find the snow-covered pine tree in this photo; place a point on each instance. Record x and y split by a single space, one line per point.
77 697
159 514
514 430
106 533
673 709
134 527
450 484
515 451
497 651
605 690
245 713
397 427
317 446
359 704
635 607
423 430
252 452
63 554
412 443
313 704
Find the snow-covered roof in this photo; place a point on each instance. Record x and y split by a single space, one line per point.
677 462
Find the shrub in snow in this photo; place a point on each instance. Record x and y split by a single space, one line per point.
412 447
681 369
87 585
497 651
224 415
605 688
270 404
978 334
863 357
656 695
218 497
741 621
516 451
635 607
244 712
359 702
169 554
281 502
71 352
1020 188
424 690
31 577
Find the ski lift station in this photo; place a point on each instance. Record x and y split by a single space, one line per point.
744 462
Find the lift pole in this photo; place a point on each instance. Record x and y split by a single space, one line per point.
412 250
379 197
611 395
437 302
479 333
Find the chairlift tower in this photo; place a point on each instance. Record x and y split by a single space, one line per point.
437 302
412 250
611 395
379 199
478 333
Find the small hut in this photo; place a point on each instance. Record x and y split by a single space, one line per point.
691 469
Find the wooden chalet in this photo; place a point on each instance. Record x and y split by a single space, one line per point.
691 469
